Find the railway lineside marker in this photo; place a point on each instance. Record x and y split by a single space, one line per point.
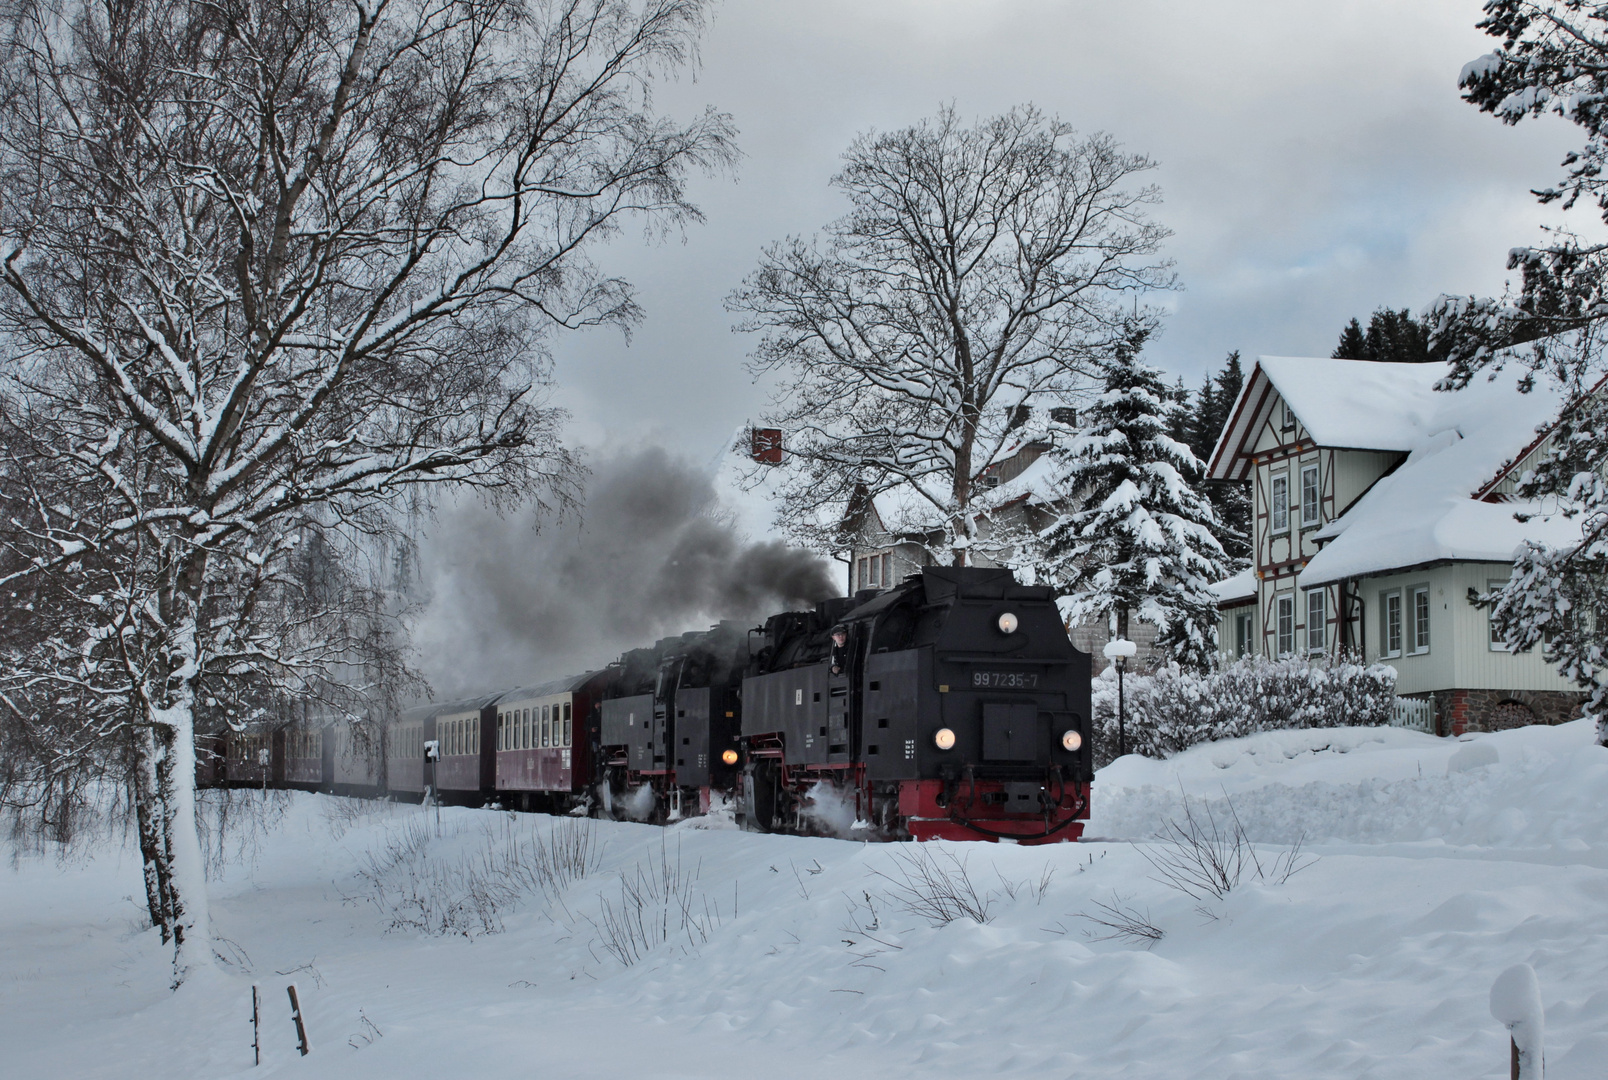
296 1015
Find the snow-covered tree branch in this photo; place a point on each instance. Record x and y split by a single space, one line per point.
979 272
266 267
1552 59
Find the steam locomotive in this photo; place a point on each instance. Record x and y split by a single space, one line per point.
950 706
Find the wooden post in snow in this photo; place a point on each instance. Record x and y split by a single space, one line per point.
256 1026
296 1015
1516 1004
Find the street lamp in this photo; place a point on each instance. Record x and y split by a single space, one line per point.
1118 650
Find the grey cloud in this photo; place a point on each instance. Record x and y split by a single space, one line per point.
652 554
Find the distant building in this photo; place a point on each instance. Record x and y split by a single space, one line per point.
889 537
1380 507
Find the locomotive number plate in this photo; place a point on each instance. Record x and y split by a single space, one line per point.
1005 680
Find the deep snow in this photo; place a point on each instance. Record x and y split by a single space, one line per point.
1441 863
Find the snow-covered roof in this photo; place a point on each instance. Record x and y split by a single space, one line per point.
1036 484
1344 404
1426 510
1242 586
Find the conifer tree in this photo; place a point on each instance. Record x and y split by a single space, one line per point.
1393 337
1139 540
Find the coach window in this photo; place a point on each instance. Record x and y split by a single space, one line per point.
567 732
1390 623
545 730
474 735
1279 502
1286 624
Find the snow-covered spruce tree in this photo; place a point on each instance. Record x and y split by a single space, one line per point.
1557 596
1136 538
269 266
1552 58
981 270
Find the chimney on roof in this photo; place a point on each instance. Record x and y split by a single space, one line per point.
765 445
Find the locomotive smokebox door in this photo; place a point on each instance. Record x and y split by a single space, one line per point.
1012 732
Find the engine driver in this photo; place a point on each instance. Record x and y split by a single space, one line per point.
840 649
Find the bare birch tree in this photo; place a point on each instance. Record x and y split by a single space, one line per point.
980 271
270 265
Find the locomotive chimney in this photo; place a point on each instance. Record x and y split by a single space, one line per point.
765 445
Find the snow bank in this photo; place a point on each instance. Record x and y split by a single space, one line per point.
793 958
1529 787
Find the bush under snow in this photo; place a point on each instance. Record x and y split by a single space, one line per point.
1172 710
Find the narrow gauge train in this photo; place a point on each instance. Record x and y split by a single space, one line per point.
950 706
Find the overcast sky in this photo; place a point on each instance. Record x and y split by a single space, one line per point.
1315 161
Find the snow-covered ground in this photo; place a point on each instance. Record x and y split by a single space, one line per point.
1439 864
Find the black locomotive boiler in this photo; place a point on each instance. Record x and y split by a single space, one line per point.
955 708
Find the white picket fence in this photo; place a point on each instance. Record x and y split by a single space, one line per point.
1416 714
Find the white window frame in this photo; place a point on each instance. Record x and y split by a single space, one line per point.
1279 508
1244 632
1317 498
1497 644
1385 598
1317 633
1418 638
1283 616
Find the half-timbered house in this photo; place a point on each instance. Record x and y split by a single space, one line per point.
1381 506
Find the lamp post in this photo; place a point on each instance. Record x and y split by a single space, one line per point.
1118 650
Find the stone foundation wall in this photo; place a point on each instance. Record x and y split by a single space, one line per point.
1460 711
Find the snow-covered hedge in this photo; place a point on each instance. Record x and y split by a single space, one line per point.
1172 710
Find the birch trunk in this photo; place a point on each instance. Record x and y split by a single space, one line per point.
148 824
186 870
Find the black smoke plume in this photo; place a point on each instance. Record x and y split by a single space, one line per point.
652 554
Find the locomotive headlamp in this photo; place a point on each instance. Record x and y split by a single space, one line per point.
944 739
1071 740
729 757
1007 623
